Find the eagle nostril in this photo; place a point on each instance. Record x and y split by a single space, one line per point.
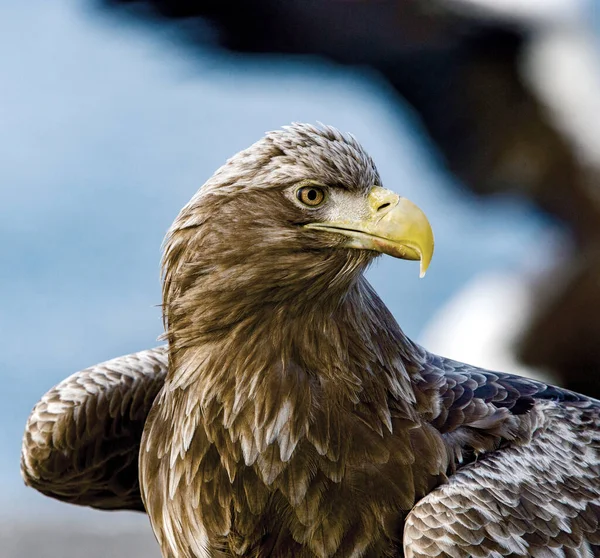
383 206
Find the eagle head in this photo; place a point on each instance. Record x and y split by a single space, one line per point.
295 217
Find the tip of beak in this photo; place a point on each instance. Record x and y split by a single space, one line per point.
424 262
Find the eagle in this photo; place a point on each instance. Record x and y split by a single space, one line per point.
288 415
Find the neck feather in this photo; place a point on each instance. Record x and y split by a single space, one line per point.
349 352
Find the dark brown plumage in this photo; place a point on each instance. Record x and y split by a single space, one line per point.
82 440
295 417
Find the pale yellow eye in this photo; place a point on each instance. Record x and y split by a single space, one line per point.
311 195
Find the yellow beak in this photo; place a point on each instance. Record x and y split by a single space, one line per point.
395 226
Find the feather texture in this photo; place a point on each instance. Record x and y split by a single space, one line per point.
82 439
537 499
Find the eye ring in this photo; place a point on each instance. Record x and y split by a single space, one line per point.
312 196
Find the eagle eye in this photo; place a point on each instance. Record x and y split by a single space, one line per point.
311 196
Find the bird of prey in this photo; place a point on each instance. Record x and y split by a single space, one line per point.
289 415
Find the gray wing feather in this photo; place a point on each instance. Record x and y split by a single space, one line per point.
541 499
82 439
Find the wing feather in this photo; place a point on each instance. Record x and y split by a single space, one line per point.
537 499
82 439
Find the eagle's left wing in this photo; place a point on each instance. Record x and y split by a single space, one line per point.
540 499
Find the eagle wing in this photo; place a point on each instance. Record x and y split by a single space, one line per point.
535 496
82 439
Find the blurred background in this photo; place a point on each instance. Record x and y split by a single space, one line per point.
484 113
